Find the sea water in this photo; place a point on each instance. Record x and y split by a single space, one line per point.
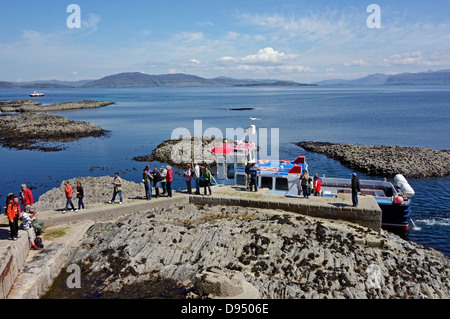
142 118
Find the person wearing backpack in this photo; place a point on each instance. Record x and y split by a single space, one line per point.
13 213
28 227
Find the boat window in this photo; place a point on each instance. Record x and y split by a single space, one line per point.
241 179
266 182
281 184
230 171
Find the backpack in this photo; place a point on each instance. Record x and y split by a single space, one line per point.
38 242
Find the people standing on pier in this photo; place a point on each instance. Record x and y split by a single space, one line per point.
253 177
169 180
80 196
163 173
25 196
188 177
13 213
147 180
207 176
117 188
69 195
156 179
196 177
304 183
356 187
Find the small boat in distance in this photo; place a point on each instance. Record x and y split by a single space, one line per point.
36 94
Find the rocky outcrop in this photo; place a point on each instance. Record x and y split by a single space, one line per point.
224 252
386 161
31 130
97 190
179 152
33 106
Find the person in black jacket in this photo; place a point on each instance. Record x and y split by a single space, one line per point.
156 180
355 189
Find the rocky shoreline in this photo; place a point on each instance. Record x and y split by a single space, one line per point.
181 151
386 161
97 190
33 106
236 252
33 131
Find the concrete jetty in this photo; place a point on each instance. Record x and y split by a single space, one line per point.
27 274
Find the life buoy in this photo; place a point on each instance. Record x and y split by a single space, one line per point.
285 162
273 169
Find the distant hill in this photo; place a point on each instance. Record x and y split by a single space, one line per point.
421 78
137 79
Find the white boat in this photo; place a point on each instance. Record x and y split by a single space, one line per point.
281 177
36 94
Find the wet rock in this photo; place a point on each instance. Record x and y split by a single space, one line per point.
33 106
215 247
36 130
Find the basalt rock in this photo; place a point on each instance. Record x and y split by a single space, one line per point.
386 161
33 106
97 190
36 130
181 151
210 249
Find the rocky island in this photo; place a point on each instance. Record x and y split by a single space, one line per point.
386 161
33 106
225 251
31 129
35 130
180 151
236 252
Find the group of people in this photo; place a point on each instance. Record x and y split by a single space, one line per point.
68 190
164 178
19 208
308 185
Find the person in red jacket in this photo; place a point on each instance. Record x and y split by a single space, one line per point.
169 180
317 185
69 195
13 213
26 196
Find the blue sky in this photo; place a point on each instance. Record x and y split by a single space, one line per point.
304 41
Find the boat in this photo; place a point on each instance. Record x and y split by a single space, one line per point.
282 176
36 94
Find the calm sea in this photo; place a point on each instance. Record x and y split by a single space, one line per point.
143 118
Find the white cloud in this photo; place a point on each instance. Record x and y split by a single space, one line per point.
358 62
418 59
91 24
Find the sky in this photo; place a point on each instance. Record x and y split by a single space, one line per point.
303 41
